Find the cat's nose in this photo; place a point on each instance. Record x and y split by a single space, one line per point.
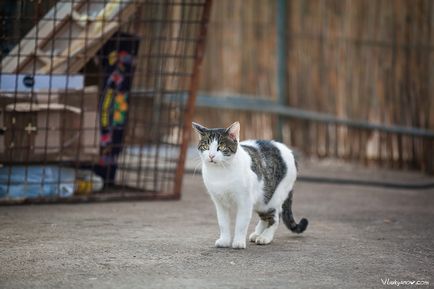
211 156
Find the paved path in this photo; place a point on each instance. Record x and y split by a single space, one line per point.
356 237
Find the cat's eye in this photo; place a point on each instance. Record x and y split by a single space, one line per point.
222 147
203 146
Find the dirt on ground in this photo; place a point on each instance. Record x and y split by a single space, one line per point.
358 237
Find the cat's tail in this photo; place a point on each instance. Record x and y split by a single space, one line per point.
288 218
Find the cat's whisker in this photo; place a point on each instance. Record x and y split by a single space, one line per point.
223 164
195 168
197 161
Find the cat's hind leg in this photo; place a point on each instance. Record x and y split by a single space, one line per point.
271 219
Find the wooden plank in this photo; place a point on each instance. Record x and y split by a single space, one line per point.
80 19
81 44
81 49
25 50
42 56
88 42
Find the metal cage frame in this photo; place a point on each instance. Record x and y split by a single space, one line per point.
143 57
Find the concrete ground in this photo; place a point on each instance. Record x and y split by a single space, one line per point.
357 236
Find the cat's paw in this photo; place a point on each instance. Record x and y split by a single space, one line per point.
263 240
223 243
239 244
253 237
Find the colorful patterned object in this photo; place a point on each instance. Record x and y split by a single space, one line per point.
120 109
117 56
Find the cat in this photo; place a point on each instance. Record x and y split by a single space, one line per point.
252 175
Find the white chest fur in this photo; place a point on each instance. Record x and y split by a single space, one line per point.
219 180
229 183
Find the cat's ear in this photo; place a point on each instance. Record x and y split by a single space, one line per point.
234 131
199 128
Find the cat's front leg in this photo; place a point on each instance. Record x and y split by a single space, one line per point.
224 224
244 214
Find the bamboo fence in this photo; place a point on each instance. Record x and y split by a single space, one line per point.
356 59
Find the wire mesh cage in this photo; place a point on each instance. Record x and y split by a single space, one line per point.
96 97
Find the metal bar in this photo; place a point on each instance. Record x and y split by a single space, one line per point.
282 61
263 104
253 103
189 108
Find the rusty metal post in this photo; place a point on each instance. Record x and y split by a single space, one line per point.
190 105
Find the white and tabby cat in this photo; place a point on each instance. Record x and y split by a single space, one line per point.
253 175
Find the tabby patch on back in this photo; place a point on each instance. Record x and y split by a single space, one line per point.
252 176
267 164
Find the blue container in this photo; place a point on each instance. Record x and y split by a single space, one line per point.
26 182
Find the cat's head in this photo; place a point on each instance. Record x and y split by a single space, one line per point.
217 146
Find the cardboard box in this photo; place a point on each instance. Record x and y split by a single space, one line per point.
48 118
48 132
40 132
87 101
